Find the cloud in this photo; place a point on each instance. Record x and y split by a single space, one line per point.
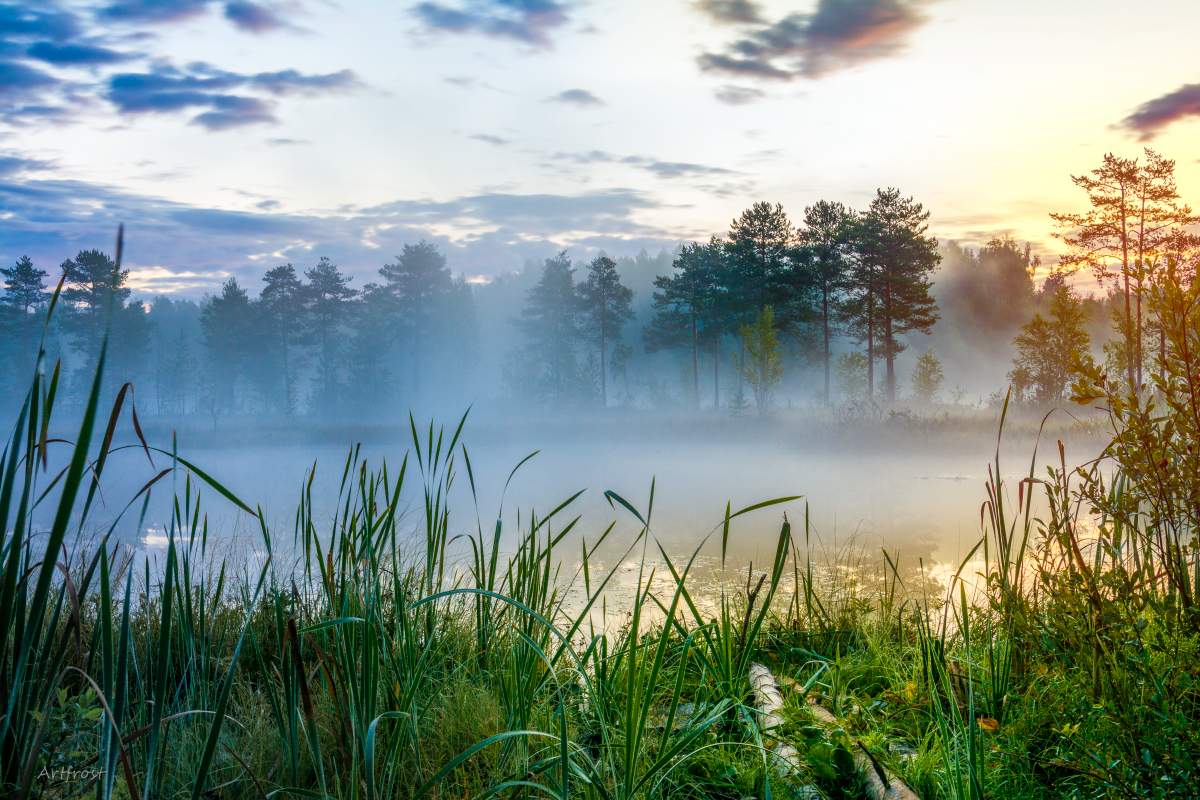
232 111
285 141
1154 115
576 97
18 80
528 21
72 55
739 95
289 81
254 17
153 11
15 165
487 138
731 11
245 15
192 249
837 35
206 87
656 167
30 114
45 23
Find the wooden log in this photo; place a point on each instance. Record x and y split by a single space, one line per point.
769 701
878 781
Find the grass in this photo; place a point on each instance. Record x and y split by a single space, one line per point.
1070 668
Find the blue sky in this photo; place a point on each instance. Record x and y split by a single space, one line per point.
233 136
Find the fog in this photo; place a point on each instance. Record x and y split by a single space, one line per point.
702 370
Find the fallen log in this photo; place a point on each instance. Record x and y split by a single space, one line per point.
879 782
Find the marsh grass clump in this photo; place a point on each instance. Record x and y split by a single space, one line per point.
469 663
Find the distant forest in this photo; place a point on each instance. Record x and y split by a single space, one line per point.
819 310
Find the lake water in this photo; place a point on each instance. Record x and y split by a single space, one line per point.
912 496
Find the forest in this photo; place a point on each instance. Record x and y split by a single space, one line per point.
842 306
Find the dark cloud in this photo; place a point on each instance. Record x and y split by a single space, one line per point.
46 22
254 17
246 15
657 167
731 11
743 67
1154 115
289 81
488 138
499 231
153 11
19 80
203 86
71 55
31 114
838 34
681 169
576 97
49 33
16 165
739 95
232 111
527 21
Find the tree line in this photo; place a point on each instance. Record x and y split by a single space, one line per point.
308 342
834 297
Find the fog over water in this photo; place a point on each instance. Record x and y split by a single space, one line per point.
915 497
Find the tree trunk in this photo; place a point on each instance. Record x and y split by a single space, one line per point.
716 373
603 368
695 366
1129 346
889 353
871 351
825 326
741 369
1141 277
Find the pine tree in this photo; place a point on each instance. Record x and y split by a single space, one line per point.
24 294
327 297
95 296
758 271
420 284
367 358
24 286
551 327
825 239
227 325
890 282
1125 235
281 309
684 305
605 308
93 287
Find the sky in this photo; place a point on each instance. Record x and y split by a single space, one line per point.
234 135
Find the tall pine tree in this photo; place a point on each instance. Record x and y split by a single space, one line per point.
605 306
891 280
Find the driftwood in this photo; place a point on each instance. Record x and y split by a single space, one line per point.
880 782
769 701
